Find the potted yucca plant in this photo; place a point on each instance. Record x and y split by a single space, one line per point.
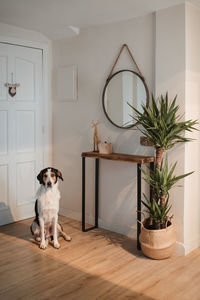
161 181
163 128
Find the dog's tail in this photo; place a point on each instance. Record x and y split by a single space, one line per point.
36 212
36 217
61 226
31 229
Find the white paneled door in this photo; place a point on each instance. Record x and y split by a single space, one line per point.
21 134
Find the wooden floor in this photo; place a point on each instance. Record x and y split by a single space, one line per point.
94 265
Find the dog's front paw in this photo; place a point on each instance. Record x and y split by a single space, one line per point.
38 239
67 238
56 245
43 245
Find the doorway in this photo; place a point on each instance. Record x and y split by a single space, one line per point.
21 131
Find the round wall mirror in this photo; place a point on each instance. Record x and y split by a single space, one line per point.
123 87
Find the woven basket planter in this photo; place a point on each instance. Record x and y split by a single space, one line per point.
157 244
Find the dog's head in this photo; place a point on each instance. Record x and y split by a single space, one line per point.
49 176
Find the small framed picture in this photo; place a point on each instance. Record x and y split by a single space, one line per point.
66 87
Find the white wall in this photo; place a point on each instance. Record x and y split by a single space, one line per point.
94 52
178 72
170 77
192 109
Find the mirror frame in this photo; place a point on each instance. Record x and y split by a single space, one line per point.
104 90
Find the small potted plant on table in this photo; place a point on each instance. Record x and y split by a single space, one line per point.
163 128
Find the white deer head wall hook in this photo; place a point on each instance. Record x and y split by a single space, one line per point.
12 87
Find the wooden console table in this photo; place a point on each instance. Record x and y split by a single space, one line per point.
138 159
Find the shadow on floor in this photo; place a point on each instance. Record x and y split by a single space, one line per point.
6 215
128 244
21 230
27 272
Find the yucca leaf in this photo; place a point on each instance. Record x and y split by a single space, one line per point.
161 124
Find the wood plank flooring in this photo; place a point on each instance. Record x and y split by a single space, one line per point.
94 265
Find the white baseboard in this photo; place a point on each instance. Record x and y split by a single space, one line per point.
180 249
119 228
192 245
186 248
70 214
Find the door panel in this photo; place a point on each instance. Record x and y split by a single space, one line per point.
25 182
4 187
22 68
3 132
21 137
25 125
3 78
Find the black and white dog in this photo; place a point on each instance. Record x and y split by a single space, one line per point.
45 225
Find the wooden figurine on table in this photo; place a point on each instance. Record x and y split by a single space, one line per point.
95 138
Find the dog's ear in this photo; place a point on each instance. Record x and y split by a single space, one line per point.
40 176
59 174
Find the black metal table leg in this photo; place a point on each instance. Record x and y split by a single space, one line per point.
138 204
96 192
83 193
96 195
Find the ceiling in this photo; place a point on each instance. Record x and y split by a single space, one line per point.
58 19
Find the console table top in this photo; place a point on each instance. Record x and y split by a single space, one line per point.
139 159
